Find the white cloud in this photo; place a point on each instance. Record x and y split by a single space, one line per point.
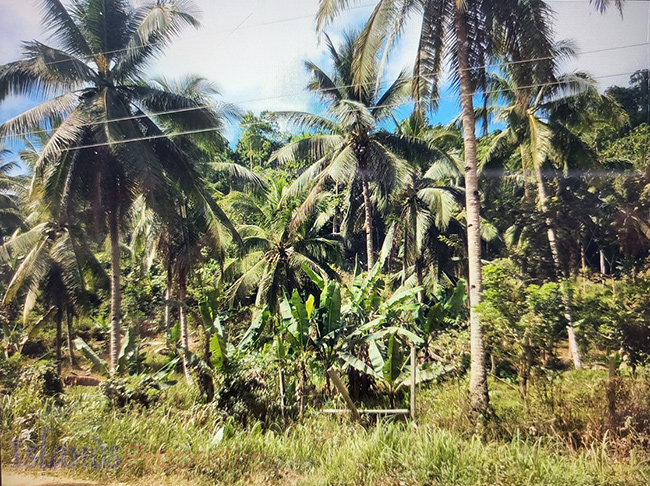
595 32
255 49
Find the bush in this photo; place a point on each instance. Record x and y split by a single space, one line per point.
41 380
9 373
141 391
246 390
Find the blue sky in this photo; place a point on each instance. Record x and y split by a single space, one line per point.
255 49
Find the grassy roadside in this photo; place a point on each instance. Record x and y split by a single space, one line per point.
179 438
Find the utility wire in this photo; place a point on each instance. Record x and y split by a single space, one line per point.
305 92
212 129
262 24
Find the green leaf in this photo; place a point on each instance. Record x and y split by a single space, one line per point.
395 360
300 327
376 358
162 374
174 333
218 350
98 364
280 350
331 302
128 351
317 279
309 305
255 330
357 364
206 313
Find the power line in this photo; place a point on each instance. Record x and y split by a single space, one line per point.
212 129
262 24
243 125
304 92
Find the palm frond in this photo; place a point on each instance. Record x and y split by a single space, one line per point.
329 9
239 174
323 84
367 47
45 115
309 122
392 98
603 5
428 64
65 30
32 269
441 203
44 71
157 25
316 147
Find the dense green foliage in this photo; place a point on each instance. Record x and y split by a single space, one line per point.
210 288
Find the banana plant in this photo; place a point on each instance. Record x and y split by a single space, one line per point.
327 319
216 343
252 336
295 339
128 358
389 363
448 309
364 295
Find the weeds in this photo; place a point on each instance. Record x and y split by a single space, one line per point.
199 443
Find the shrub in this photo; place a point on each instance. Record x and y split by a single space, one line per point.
141 391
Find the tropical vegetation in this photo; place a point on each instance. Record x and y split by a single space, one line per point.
227 297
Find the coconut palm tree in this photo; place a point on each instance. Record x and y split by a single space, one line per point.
428 199
349 150
278 241
11 188
54 260
469 35
104 150
544 130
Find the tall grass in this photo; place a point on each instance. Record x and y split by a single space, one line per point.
441 449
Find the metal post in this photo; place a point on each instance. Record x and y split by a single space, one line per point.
413 381
344 393
282 404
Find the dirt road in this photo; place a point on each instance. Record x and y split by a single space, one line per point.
11 479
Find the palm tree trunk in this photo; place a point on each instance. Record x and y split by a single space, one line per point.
406 252
70 316
57 342
525 174
420 276
368 223
168 296
185 338
552 241
116 294
335 216
479 400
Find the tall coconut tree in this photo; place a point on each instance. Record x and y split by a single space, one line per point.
348 149
469 35
104 150
427 201
11 188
